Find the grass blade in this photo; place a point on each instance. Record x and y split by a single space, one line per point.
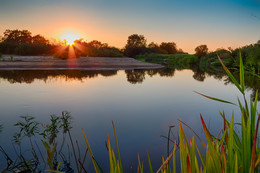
252 166
118 153
150 164
90 152
231 76
242 78
215 99
206 131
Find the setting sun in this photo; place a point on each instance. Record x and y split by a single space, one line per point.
70 38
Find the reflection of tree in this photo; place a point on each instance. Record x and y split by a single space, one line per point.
251 83
135 76
152 72
199 75
167 72
28 76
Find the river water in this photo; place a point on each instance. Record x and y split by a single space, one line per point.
141 103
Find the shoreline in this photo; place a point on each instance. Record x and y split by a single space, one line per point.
82 63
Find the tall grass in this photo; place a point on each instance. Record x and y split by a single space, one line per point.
232 151
229 152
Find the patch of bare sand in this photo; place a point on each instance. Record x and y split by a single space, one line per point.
82 63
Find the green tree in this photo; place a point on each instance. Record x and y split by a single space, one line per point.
201 50
169 47
136 44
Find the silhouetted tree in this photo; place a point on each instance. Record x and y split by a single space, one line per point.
39 40
180 51
17 36
22 42
97 44
136 44
169 47
201 50
154 48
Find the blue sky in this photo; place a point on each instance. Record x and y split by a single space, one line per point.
188 23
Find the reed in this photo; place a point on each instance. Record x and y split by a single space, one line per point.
229 152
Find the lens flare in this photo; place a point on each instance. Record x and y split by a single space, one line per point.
69 38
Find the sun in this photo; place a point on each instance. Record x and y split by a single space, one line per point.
70 37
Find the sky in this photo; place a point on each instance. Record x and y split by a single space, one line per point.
188 23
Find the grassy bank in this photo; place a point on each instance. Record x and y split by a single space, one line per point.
209 62
179 61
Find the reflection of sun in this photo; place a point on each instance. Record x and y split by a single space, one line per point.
70 38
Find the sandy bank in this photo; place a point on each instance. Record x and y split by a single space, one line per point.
82 63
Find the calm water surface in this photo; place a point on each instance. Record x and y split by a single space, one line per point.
142 104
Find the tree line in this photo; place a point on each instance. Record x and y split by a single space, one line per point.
22 42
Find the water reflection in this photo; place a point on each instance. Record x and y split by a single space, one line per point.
132 76
29 76
142 103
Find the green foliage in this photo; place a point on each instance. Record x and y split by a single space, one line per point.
28 127
171 60
65 121
50 133
201 50
251 57
51 130
102 52
210 61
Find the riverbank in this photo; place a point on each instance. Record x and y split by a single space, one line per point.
15 62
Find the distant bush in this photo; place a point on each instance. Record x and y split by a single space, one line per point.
211 59
172 60
250 55
7 47
30 49
182 60
102 52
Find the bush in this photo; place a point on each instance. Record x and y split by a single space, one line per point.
173 60
251 57
210 61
